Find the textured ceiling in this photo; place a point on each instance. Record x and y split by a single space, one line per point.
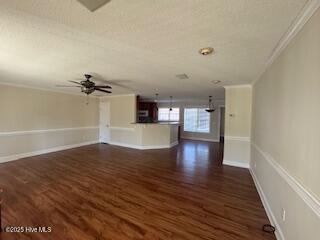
141 44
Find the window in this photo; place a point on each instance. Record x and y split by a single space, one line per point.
164 114
196 120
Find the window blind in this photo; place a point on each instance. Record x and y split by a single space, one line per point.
196 120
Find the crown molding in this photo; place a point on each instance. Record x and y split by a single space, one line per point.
118 95
185 100
45 89
238 86
303 17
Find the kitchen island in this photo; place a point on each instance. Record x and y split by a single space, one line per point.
157 135
146 135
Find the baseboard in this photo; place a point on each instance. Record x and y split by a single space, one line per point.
120 144
266 205
201 139
44 151
174 144
140 147
236 138
236 164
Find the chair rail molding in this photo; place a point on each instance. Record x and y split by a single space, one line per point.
303 193
123 129
39 131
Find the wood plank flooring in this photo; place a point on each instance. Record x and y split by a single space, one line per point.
107 192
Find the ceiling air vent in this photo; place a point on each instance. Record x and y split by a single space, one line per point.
93 5
182 76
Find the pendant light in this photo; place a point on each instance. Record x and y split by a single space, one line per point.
211 107
170 103
157 95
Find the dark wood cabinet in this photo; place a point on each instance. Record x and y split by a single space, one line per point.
146 111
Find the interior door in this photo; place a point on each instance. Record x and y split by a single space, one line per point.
104 132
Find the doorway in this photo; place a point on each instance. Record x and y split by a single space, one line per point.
104 122
222 123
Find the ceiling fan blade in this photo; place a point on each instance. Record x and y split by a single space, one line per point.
75 82
66 86
99 86
93 5
101 90
116 83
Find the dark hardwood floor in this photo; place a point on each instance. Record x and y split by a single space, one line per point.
107 192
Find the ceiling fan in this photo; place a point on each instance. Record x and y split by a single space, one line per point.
87 86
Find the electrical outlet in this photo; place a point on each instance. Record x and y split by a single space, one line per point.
283 214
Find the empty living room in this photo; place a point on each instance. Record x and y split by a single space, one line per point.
159 119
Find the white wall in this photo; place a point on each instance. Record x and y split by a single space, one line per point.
122 115
124 131
37 121
286 136
237 126
214 134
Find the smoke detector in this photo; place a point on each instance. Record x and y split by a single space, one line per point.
206 51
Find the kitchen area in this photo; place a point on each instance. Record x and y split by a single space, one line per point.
147 111
158 134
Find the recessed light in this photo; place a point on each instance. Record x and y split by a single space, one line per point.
216 81
206 51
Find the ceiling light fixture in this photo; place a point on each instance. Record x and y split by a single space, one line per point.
157 95
206 51
211 107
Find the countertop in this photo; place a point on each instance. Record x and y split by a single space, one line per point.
159 123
